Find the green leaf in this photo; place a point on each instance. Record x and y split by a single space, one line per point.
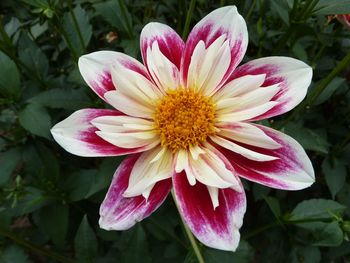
331 88
281 8
332 7
53 220
8 162
85 242
9 77
32 56
243 254
305 254
335 175
79 32
13 254
274 205
35 119
316 208
329 236
79 184
137 250
62 99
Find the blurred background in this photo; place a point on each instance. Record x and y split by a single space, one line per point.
49 199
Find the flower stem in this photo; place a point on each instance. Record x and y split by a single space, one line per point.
317 91
190 235
188 19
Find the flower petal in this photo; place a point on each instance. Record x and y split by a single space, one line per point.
149 169
217 228
126 132
78 136
291 171
95 69
121 213
292 75
221 31
161 49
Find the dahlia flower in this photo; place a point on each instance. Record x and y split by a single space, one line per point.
185 118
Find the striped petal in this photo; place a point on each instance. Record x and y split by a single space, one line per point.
78 136
151 167
96 69
161 49
220 38
215 227
293 77
291 171
120 213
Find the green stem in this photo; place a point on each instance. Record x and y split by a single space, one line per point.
188 19
189 235
76 25
318 89
35 248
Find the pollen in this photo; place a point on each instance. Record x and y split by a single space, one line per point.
184 118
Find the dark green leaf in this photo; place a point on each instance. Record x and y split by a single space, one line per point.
62 98
332 7
8 162
85 242
303 254
9 77
13 254
329 236
35 119
243 254
78 31
316 208
335 175
54 222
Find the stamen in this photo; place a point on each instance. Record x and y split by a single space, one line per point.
184 118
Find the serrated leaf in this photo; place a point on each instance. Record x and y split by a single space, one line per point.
316 208
62 99
35 119
85 242
335 175
9 77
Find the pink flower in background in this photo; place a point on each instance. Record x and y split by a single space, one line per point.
344 19
185 119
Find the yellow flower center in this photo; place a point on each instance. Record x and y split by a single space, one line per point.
184 118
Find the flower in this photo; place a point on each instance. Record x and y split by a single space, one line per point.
185 119
344 19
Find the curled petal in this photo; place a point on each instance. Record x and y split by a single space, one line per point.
121 213
96 69
293 77
78 136
220 38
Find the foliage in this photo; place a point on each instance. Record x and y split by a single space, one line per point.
49 199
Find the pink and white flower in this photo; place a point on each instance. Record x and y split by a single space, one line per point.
185 119
344 19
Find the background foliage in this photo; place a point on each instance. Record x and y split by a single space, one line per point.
49 199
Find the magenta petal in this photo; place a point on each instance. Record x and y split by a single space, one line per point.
215 228
121 213
96 69
291 171
78 136
292 75
222 21
170 43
